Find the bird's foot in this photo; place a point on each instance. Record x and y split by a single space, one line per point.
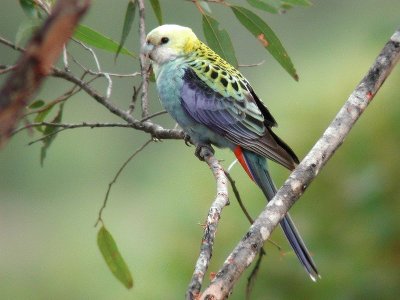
187 140
203 150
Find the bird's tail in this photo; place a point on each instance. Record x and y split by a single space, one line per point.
255 166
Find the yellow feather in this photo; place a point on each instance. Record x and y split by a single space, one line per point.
191 44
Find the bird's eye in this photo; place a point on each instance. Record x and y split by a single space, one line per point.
164 40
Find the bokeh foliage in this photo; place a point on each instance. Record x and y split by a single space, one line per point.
349 216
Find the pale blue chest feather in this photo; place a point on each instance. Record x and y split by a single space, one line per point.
169 86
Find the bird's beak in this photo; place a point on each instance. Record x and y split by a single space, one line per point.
147 48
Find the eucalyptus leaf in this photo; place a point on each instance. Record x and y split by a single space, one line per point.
266 37
25 31
263 5
113 258
36 104
42 115
219 40
204 5
29 7
299 2
95 39
277 6
128 21
155 4
49 134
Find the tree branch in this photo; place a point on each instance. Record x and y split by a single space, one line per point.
210 228
147 126
10 44
144 124
114 180
144 66
246 250
35 63
72 126
5 69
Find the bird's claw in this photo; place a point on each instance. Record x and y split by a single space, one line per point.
187 140
208 151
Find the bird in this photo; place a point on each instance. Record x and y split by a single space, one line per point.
215 105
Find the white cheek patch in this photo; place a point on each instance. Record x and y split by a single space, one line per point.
163 54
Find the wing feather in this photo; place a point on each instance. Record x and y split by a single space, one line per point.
245 122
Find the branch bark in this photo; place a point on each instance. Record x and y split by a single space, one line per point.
210 228
246 250
144 66
36 62
147 126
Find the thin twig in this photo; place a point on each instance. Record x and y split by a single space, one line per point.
103 74
68 126
68 94
238 198
44 137
99 219
135 94
144 64
246 250
5 69
163 112
251 279
72 126
252 65
210 1
99 71
33 66
198 6
154 129
10 44
65 59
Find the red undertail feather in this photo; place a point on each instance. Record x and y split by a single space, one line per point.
239 155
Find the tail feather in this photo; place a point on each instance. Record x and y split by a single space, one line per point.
256 168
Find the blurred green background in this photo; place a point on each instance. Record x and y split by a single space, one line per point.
349 216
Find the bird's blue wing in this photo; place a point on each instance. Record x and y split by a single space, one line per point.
242 121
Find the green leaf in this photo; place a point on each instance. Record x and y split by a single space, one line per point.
36 104
32 10
263 6
219 40
204 5
152 77
155 4
42 115
95 39
129 17
277 6
29 7
49 136
25 30
298 2
266 37
113 258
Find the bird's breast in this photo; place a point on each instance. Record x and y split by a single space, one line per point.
169 85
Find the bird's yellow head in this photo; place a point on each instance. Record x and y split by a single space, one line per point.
167 42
